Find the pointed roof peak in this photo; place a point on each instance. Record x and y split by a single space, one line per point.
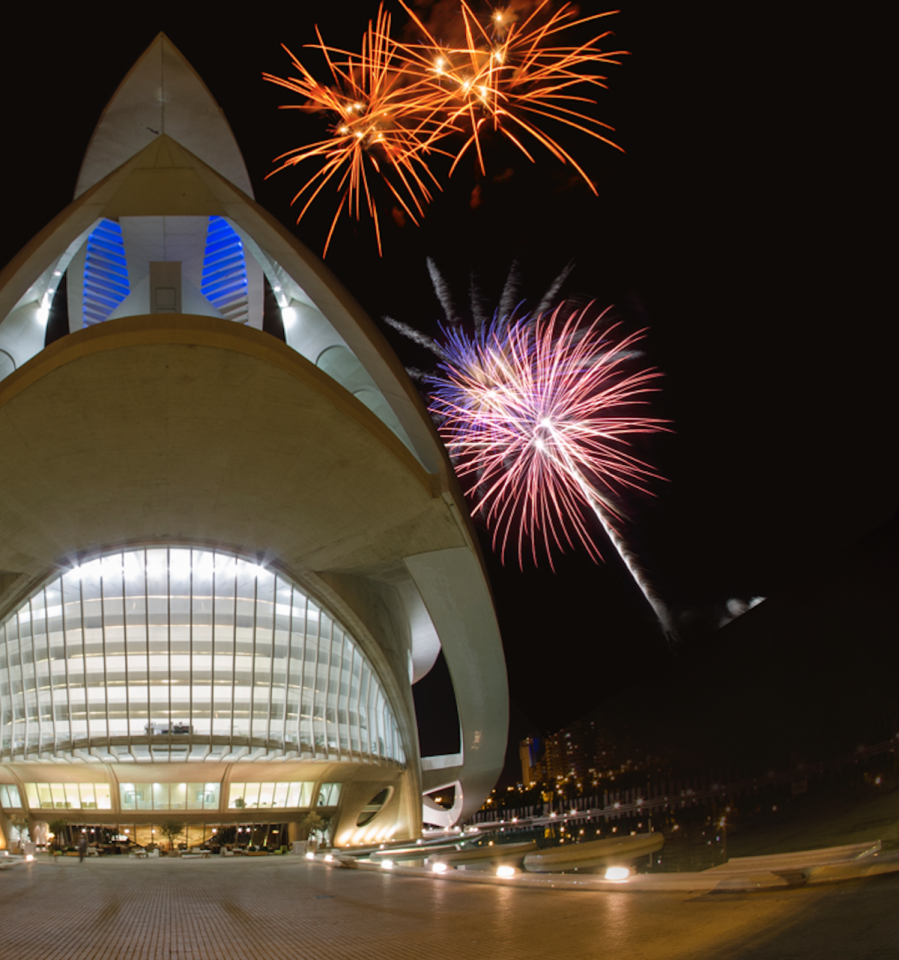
162 93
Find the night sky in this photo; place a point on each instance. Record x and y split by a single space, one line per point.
745 226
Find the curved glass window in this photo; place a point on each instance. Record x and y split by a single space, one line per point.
175 654
281 793
68 796
9 795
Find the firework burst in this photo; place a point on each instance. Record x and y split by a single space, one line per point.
393 106
377 126
510 75
538 416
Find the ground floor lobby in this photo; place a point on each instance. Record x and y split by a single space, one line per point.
112 839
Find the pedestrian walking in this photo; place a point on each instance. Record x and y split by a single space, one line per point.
82 847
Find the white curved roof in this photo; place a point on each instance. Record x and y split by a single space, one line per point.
162 94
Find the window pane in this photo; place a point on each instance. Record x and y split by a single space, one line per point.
266 794
104 796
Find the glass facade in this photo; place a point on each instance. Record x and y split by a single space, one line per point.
68 796
291 793
329 794
169 796
170 653
9 795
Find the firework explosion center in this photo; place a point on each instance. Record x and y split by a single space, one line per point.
225 556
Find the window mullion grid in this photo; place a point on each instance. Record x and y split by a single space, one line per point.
149 727
168 629
190 665
65 658
4 638
303 660
271 675
318 643
354 656
388 733
391 726
49 676
346 663
287 671
337 692
375 718
22 681
213 630
233 659
338 630
370 713
394 729
253 659
103 647
128 713
385 726
383 735
34 677
87 713
365 681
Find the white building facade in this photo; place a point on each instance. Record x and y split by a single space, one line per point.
225 558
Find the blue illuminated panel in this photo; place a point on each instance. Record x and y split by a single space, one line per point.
105 273
224 282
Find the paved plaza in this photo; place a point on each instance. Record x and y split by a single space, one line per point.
288 909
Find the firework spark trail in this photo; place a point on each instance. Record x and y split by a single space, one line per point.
377 124
505 77
628 557
538 414
395 104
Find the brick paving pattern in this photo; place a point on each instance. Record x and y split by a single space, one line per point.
287 909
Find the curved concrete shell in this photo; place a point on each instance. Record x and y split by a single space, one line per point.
167 432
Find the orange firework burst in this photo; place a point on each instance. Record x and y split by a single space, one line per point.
509 75
377 123
394 105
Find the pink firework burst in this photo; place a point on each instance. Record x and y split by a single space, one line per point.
538 416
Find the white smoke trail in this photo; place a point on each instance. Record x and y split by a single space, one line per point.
550 296
441 288
478 314
416 336
508 299
604 514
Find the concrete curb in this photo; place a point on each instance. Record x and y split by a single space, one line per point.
709 881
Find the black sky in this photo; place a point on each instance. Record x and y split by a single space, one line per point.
746 226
